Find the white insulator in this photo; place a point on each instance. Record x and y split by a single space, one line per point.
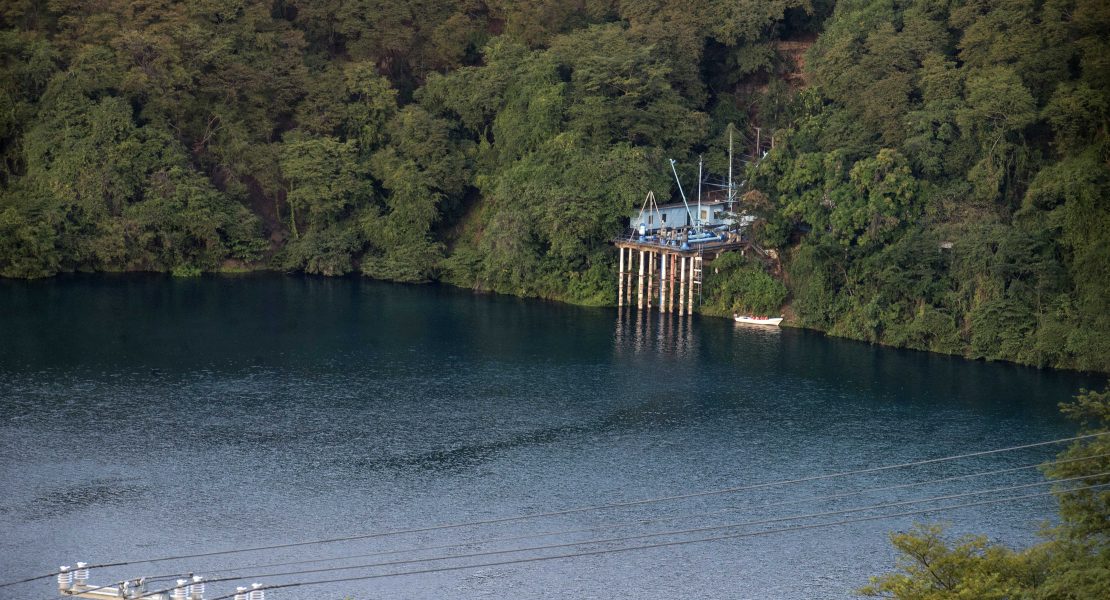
81 575
256 593
240 593
196 591
65 578
180 590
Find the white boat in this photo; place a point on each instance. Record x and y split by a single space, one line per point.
757 320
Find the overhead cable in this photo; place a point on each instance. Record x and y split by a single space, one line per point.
624 504
638 522
639 536
657 545
602 526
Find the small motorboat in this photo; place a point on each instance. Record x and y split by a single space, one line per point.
774 321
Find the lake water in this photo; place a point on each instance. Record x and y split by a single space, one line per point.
142 416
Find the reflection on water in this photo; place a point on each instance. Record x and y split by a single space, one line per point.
759 330
148 415
665 335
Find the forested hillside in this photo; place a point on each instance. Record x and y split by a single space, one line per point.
939 178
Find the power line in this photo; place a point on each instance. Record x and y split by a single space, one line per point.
642 536
603 526
509 519
658 545
674 532
620 524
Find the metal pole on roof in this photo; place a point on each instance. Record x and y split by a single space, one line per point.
679 181
699 192
731 190
658 212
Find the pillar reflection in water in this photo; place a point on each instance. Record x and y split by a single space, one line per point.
642 332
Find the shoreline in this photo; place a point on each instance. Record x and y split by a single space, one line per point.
786 324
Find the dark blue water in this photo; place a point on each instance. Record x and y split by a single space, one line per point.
146 416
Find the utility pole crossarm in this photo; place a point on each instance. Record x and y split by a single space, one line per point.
74 583
103 594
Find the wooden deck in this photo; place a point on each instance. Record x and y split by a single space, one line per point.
695 248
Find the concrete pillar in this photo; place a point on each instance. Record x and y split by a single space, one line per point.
690 301
640 295
682 285
670 286
663 283
620 279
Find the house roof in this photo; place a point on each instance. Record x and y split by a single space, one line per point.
693 204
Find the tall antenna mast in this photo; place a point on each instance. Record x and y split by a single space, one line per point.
731 190
699 192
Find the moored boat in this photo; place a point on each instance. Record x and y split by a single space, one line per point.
773 321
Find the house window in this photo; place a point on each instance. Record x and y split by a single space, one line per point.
704 214
717 214
651 219
663 217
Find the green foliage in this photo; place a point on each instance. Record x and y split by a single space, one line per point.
932 568
816 282
547 215
185 224
997 109
420 168
1073 563
735 284
620 92
960 164
326 251
102 191
326 184
567 138
938 179
27 239
1084 512
27 63
325 181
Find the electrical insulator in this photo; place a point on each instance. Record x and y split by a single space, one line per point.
180 591
65 578
256 593
81 575
197 589
240 593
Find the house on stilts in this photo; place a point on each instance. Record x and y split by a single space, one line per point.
665 251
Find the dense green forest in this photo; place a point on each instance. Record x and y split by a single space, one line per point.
938 180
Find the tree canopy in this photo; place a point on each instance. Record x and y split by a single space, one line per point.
938 177
1073 563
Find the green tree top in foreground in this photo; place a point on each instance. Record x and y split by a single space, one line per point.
1074 564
